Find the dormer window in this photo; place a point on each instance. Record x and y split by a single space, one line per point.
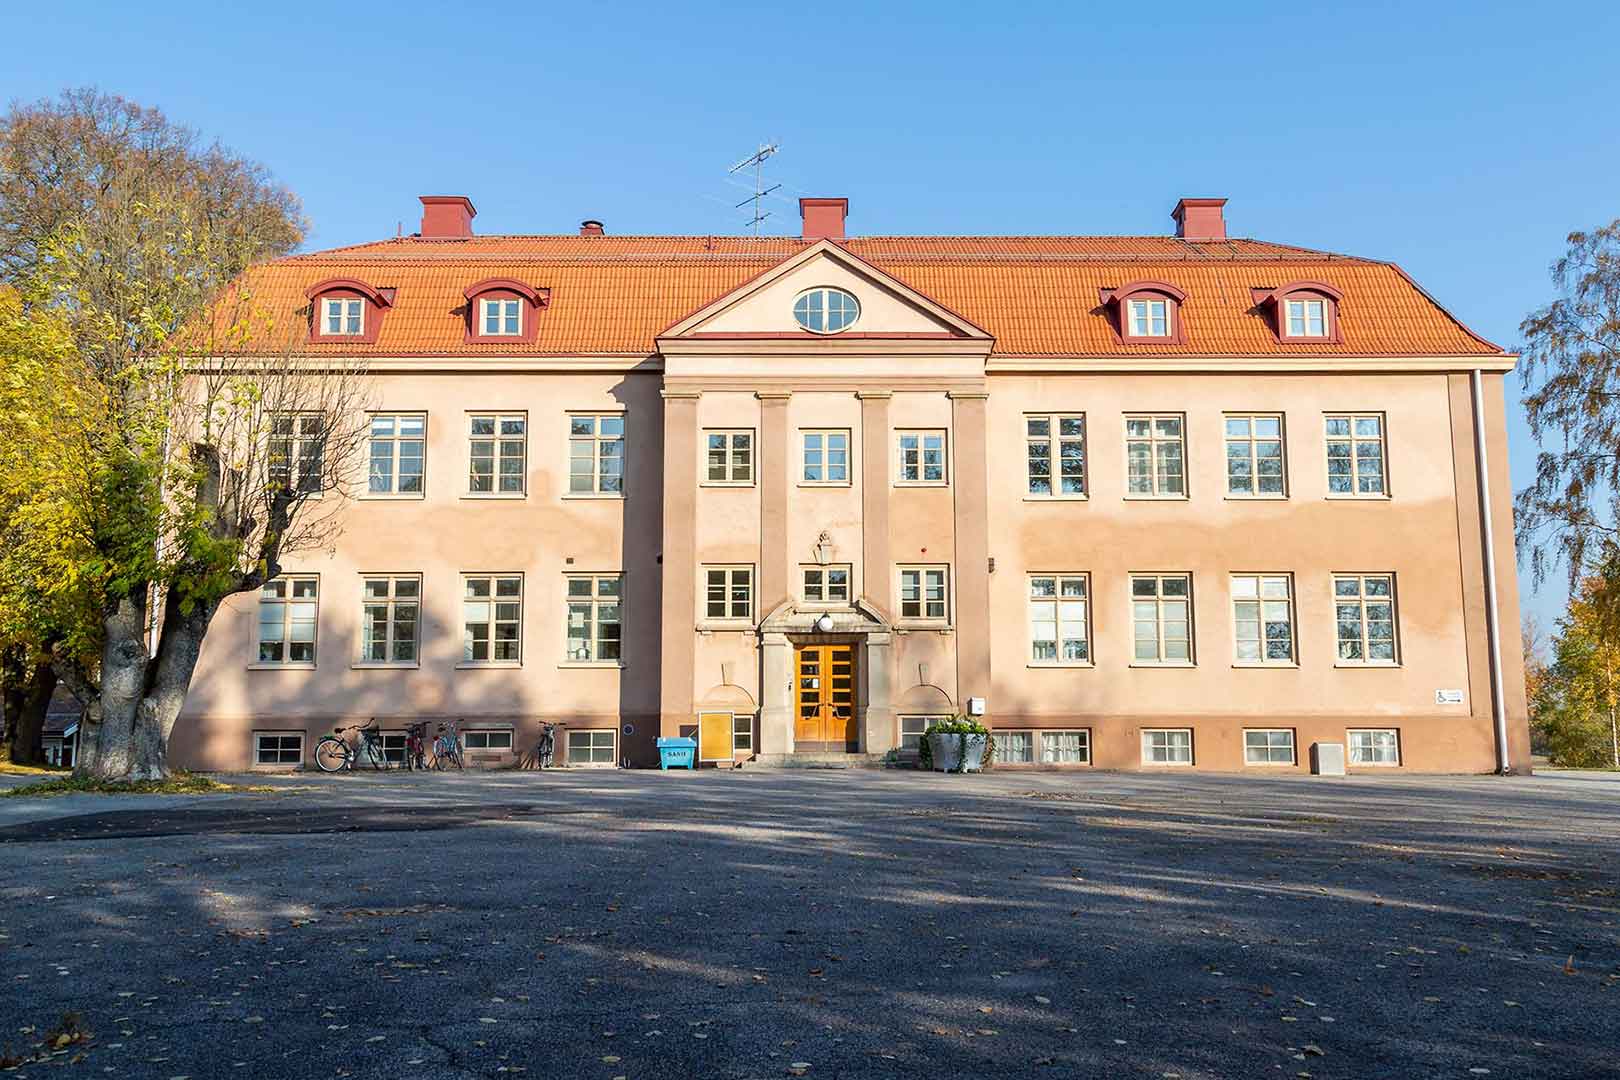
1304 312
347 310
504 310
1145 312
502 318
345 317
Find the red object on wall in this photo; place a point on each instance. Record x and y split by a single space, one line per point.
1114 301
378 302
1273 304
1200 219
823 218
504 289
447 217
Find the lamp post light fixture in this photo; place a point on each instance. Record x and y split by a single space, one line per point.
825 624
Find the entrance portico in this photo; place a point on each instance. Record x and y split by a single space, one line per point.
825 682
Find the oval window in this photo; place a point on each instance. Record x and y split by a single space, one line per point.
826 311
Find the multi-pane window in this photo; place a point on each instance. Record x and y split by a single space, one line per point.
398 454
1013 747
1268 746
593 749
393 746
1055 453
1263 618
921 457
1066 747
596 454
344 317
499 451
826 457
730 457
1364 612
742 732
1254 455
911 731
826 584
502 318
1355 454
1167 746
595 619
492 619
389 615
1374 746
1307 318
826 311
278 747
728 592
487 739
1161 616
1058 609
1155 456
297 447
288 607
1149 318
922 593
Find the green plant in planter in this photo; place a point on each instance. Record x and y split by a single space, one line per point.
961 726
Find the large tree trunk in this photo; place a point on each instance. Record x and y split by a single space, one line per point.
107 742
179 645
25 706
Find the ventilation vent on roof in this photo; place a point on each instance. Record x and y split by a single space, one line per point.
1200 219
447 217
591 227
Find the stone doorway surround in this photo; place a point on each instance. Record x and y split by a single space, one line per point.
861 624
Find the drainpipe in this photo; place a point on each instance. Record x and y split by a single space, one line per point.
1493 632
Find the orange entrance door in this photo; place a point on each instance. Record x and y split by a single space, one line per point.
825 698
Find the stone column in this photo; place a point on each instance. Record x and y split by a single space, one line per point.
971 494
679 560
775 485
878 735
877 574
775 694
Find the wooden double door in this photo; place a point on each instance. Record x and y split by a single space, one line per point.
824 699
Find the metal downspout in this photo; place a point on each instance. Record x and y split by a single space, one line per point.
1493 632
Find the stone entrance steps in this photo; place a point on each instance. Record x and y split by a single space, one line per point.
818 760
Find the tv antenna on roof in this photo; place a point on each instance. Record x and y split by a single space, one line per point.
756 160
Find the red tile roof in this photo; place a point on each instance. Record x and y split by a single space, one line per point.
1037 295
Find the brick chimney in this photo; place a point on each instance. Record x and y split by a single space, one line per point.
447 217
823 218
1200 219
591 227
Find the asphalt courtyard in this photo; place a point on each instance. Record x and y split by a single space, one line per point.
824 924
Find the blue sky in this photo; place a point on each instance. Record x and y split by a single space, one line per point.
1463 141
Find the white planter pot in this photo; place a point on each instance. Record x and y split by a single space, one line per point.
947 748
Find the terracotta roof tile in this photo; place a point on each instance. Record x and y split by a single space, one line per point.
1036 295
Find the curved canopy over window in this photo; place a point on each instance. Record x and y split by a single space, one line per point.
826 310
1146 311
1303 311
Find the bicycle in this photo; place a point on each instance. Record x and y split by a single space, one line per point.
416 745
545 751
335 754
447 747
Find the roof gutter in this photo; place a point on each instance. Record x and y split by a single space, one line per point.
1493 632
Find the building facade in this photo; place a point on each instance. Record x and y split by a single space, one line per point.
1182 501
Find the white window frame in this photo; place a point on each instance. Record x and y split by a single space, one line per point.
1037 604
1159 599
288 601
1158 453
346 308
826 587
1362 599
394 440
500 308
1270 747
825 450
1151 743
1052 443
499 440
593 738
1305 304
912 465
1251 443
393 742
392 602
593 440
258 748
467 735
598 595
302 453
814 303
1141 313
920 721
734 459
1263 615
1350 748
1000 740
493 600
1354 442
742 733
732 580
927 574
1083 734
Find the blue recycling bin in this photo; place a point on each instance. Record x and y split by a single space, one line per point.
677 752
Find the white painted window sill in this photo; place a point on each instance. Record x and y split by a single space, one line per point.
482 665
1172 664
593 496
494 496
599 665
1056 498
734 626
258 666
1277 666
1156 498
1256 498
1358 498
1037 665
1381 665
382 665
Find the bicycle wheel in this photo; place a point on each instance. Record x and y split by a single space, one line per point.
332 754
374 754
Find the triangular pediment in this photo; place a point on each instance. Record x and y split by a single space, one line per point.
763 306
